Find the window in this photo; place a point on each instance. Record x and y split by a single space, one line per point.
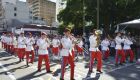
15 14
30 17
15 9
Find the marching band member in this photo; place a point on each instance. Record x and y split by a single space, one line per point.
9 42
6 42
79 47
66 54
55 47
119 49
29 49
73 39
21 46
105 49
112 47
2 39
43 44
15 45
95 53
12 43
127 49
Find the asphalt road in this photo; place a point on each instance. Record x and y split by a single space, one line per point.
10 69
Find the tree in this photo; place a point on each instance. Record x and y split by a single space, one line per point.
112 12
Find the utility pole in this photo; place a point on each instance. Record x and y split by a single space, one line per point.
98 10
84 18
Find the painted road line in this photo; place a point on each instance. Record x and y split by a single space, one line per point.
8 73
120 68
38 78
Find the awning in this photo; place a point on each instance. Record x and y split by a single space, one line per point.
131 24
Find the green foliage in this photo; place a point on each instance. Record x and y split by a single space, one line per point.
112 12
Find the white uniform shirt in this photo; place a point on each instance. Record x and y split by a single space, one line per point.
105 44
93 43
6 39
80 44
118 41
73 40
67 45
21 42
112 44
29 42
14 42
43 45
2 38
9 40
127 44
55 42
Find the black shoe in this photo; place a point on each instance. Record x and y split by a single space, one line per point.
116 65
90 71
61 79
19 60
49 71
124 62
22 59
99 71
27 65
121 64
131 61
39 70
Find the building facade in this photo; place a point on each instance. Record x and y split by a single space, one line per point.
15 13
44 10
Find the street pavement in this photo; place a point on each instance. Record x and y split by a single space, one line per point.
11 69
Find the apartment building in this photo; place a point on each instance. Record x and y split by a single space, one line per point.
44 10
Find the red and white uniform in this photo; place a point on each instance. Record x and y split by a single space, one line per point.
119 50
2 40
21 47
95 53
127 49
43 53
9 43
67 56
14 43
29 48
73 40
105 49
55 46
79 46
6 42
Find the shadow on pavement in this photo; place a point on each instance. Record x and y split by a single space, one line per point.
56 72
31 76
91 78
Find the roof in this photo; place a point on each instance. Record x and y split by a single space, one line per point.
37 27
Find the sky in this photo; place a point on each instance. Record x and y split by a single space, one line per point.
50 0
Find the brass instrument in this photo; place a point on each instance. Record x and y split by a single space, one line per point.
98 39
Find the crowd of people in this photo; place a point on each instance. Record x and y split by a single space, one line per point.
67 48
